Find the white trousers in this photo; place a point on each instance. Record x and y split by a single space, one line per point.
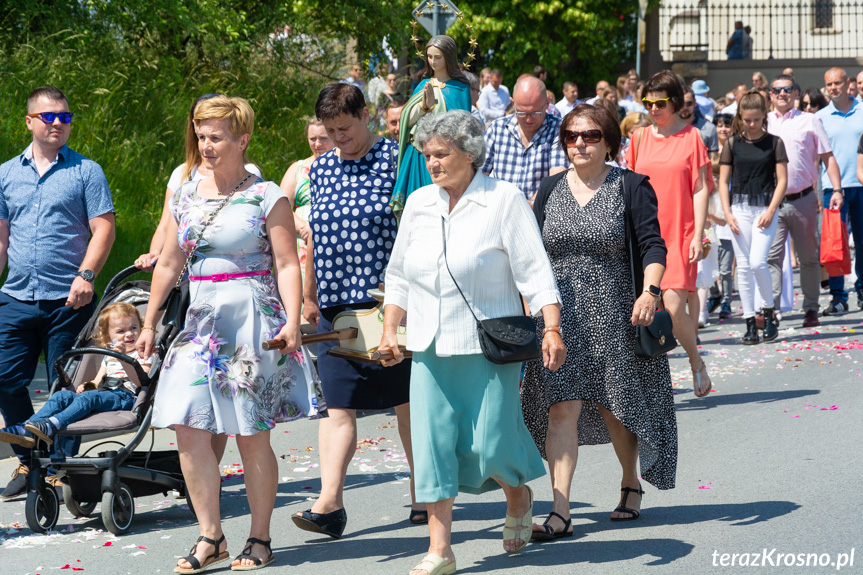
751 248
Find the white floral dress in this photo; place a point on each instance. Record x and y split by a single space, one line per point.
215 376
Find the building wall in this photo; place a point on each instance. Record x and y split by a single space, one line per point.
781 29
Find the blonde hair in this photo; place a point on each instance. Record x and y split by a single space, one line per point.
631 121
751 100
193 154
119 309
312 121
237 110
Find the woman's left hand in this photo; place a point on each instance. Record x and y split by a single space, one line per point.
644 309
292 337
696 251
390 343
553 350
765 219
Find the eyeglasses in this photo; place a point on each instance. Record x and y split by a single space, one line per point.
659 104
49 117
589 136
786 89
685 103
535 115
808 104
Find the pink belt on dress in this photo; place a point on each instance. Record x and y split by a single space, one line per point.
226 277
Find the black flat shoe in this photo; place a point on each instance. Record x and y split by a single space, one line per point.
419 516
622 508
332 523
550 534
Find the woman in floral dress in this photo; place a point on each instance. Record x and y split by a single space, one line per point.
245 289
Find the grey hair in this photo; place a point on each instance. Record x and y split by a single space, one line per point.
457 128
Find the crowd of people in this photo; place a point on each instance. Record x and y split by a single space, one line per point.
482 203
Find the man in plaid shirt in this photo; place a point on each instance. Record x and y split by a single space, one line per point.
525 147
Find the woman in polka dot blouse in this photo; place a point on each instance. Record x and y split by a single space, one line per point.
353 231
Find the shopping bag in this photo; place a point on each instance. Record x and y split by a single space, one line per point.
835 253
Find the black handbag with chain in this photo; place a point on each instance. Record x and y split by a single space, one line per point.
510 339
658 337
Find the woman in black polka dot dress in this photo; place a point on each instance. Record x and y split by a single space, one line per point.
353 231
603 392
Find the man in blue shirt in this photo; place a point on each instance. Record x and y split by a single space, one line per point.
736 48
843 122
51 200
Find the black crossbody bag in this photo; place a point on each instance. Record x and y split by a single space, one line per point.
658 337
510 339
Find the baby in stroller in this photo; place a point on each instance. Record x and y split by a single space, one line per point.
118 328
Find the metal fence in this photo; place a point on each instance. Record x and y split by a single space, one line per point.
778 29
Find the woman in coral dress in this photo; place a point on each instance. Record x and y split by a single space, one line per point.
675 159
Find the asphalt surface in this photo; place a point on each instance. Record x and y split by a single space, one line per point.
769 461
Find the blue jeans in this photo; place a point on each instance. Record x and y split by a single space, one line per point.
28 328
852 214
69 407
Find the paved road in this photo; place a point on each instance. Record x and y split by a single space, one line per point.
770 460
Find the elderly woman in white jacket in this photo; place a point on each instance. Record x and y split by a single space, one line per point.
466 424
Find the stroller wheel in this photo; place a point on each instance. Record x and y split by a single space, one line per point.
118 509
42 509
75 507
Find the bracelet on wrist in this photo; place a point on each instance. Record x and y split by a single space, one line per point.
148 327
553 328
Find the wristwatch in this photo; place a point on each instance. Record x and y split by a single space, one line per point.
87 275
654 291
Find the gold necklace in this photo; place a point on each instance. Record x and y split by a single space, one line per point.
237 187
588 183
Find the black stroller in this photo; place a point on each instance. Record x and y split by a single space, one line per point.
112 478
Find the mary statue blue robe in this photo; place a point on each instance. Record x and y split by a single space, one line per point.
412 173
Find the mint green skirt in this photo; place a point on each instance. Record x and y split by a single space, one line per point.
467 426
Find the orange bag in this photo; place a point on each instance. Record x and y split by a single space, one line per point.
835 252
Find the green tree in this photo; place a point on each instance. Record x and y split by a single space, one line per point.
578 40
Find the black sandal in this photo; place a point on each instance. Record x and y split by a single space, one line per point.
633 513
419 516
247 554
211 560
550 534
332 523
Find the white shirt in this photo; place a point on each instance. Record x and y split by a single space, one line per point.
564 107
494 250
805 140
492 103
730 109
175 182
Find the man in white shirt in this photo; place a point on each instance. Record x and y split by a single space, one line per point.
739 90
494 98
600 88
807 146
570 99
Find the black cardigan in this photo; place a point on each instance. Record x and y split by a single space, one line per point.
645 242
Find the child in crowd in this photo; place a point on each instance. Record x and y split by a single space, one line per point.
118 329
752 179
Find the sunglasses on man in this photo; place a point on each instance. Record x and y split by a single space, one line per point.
49 117
570 137
786 89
